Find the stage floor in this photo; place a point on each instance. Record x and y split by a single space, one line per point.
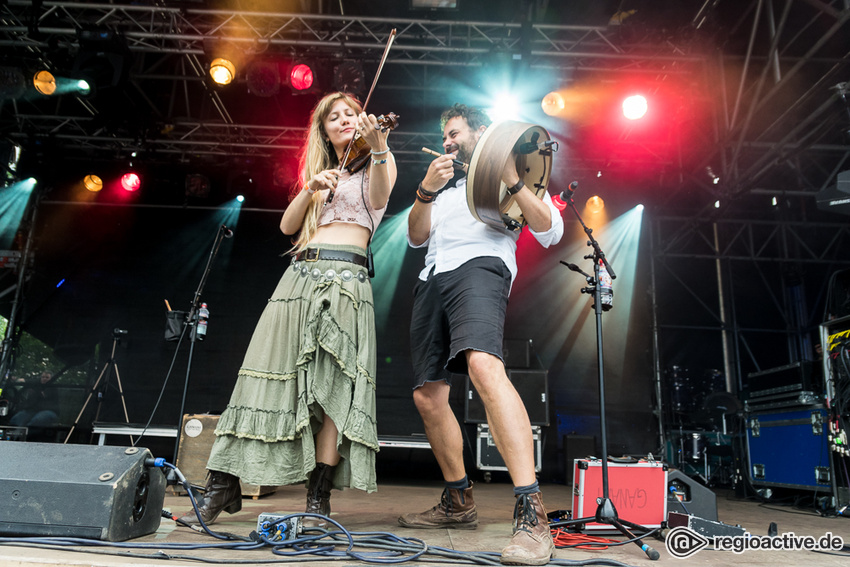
360 512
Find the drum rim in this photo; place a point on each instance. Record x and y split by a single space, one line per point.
482 172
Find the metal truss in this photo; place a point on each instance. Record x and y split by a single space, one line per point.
744 145
168 47
782 131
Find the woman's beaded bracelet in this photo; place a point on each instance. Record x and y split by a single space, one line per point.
379 161
382 152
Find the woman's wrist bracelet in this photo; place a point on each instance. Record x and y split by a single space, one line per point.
382 152
379 161
309 191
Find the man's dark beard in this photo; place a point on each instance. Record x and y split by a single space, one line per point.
464 155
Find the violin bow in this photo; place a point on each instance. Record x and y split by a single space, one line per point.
368 97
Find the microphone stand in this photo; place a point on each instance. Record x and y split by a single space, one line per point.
191 321
606 512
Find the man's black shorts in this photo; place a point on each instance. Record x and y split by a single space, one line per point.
457 311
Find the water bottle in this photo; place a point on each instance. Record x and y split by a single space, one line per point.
606 291
203 318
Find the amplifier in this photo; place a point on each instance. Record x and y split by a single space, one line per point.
638 491
196 439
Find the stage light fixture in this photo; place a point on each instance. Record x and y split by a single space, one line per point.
505 107
595 204
553 103
103 61
349 77
222 71
301 77
10 156
635 107
198 186
226 60
12 82
263 78
240 198
93 183
131 182
44 82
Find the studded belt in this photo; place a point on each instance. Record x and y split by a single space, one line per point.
304 270
313 254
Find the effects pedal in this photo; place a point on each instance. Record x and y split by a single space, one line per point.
277 527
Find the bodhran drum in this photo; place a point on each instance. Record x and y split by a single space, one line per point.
486 194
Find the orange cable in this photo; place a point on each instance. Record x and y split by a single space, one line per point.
562 538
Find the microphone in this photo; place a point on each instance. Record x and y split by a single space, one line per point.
531 147
227 232
117 331
560 201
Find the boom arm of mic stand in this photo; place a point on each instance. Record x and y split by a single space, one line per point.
220 235
597 251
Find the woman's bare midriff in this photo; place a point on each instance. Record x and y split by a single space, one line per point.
342 233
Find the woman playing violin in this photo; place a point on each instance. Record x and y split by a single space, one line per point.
303 407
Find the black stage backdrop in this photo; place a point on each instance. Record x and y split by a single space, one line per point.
118 264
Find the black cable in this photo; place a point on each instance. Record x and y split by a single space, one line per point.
308 547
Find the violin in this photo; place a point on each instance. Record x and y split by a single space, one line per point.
359 152
347 161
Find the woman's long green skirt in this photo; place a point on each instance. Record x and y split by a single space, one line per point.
312 354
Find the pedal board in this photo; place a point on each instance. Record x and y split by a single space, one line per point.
277 527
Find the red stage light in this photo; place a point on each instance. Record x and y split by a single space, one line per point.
634 107
130 182
301 77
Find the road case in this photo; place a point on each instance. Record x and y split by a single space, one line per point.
638 491
789 449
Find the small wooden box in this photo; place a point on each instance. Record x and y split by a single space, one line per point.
197 434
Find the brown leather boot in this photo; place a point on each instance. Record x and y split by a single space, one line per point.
222 492
532 542
456 510
319 486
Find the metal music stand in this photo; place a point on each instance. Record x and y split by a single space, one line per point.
110 366
606 512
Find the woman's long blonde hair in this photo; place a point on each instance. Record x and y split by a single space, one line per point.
318 155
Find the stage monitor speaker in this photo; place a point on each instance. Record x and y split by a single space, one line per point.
85 491
689 496
517 353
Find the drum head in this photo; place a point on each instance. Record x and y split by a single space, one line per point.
486 195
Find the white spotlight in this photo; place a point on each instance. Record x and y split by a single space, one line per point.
505 107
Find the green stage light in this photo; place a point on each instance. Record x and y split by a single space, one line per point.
389 247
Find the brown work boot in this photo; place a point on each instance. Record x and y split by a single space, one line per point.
222 492
319 486
456 510
532 542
